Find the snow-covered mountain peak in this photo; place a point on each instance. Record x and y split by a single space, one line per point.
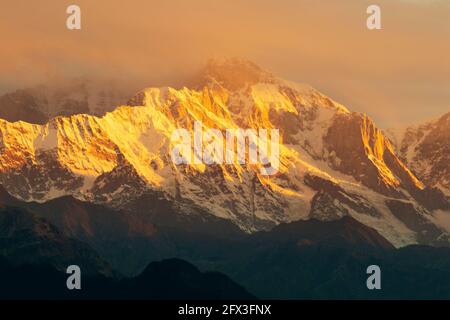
333 162
425 148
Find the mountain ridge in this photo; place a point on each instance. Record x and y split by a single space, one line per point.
118 158
424 147
298 260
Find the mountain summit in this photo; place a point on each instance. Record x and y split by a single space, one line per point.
333 162
232 74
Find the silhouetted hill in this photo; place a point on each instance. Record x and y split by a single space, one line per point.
343 232
169 279
300 260
129 240
328 260
27 239
178 279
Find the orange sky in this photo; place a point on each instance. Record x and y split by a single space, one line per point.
398 75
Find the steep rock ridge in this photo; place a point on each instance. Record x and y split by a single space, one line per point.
331 160
374 163
371 153
425 148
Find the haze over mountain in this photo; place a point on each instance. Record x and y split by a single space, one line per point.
333 162
61 98
398 75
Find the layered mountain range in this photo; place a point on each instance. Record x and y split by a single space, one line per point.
299 260
333 162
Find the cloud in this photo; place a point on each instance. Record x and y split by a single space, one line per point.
396 75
